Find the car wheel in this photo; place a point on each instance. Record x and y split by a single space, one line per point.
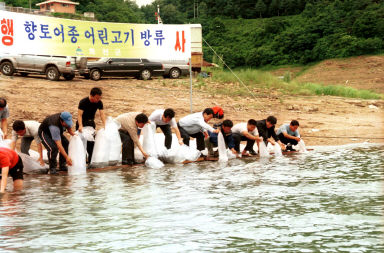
174 73
145 74
69 77
24 74
7 68
52 74
95 74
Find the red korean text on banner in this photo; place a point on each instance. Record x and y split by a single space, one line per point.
179 47
7 31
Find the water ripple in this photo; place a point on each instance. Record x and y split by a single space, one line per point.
329 200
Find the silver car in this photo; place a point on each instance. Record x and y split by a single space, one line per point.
52 66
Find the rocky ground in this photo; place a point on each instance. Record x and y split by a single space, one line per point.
324 120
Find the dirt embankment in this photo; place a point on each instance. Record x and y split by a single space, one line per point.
362 72
33 98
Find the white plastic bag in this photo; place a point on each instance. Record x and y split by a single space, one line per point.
263 150
113 137
301 147
230 154
173 155
88 133
6 143
139 158
223 155
30 165
77 153
153 163
277 150
100 156
149 144
188 153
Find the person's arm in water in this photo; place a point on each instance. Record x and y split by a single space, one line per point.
62 151
178 135
4 177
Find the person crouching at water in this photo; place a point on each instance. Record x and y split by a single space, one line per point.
10 164
51 134
246 132
28 130
289 135
86 115
212 140
195 125
131 125
266 129
165 119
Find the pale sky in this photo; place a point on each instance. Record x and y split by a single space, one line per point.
143 2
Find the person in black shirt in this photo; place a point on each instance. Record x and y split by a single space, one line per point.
86 115
266 129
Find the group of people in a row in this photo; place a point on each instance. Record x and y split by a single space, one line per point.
50 134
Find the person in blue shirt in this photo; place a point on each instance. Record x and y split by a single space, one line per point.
289 135
51 134
212 140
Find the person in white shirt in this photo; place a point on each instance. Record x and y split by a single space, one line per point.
165 119
195 125
28 130
246 132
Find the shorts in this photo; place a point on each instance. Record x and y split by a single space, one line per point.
17 171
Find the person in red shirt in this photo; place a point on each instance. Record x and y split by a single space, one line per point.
11 164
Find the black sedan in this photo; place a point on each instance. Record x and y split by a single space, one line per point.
136 67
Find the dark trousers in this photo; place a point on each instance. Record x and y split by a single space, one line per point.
199 138
26 144
286 140
166 129
238 138
128 154
90 144
53 150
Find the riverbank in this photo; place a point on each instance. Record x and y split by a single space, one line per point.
324 120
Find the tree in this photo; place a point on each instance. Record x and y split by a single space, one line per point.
274 8
260 8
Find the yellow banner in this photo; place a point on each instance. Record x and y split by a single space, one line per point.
32 34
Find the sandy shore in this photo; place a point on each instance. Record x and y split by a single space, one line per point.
324 120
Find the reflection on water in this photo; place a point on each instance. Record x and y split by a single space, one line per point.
328 200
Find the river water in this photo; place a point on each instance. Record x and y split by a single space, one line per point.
329 200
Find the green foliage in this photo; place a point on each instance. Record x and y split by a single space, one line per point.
325 29
260 80
260 8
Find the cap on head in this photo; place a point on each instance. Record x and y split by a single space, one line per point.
67 118
218 112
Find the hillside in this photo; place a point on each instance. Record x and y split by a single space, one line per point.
362 72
